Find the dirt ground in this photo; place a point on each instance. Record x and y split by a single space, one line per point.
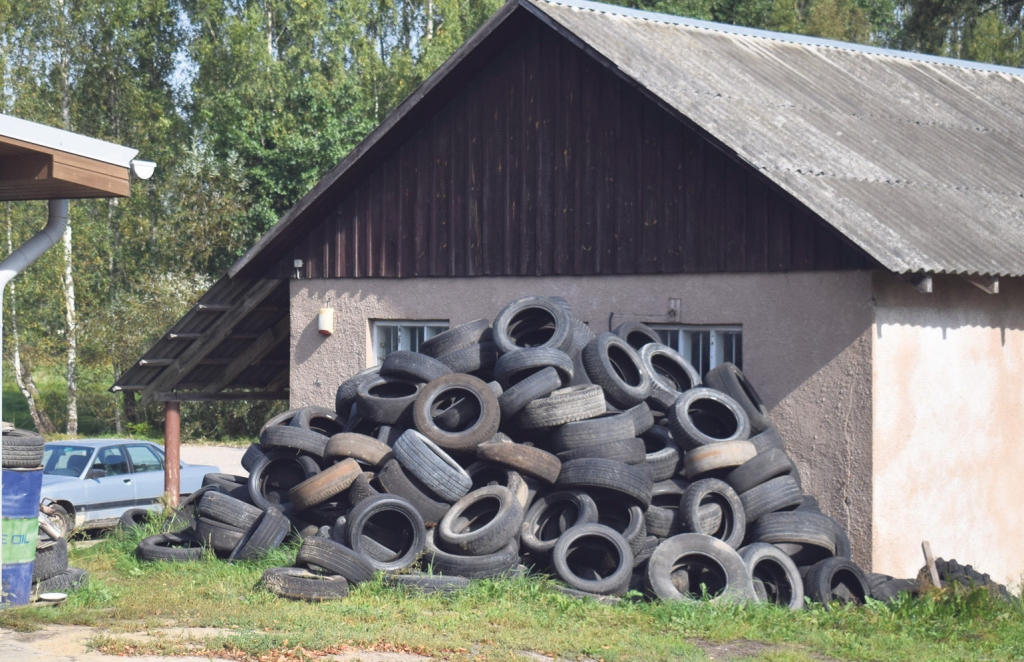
67 643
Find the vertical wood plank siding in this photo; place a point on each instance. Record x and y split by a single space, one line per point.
546 163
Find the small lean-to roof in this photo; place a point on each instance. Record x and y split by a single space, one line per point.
916 159
39 162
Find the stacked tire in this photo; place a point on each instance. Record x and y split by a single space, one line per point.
603 459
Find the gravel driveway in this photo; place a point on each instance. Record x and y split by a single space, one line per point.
228 458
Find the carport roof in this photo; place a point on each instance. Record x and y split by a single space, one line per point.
39 162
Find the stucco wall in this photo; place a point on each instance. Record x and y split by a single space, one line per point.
806 346
949 426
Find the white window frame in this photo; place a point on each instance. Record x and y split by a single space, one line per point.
376 325
717 344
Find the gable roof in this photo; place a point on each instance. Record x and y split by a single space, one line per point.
916 159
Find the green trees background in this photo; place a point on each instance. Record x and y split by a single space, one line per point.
244 104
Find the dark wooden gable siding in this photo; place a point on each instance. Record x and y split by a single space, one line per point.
546 164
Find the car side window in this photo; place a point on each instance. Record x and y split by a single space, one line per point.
144 459
112 461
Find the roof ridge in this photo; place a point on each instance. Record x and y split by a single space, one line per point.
804 40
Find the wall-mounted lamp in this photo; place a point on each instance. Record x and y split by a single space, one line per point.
325 322
298 269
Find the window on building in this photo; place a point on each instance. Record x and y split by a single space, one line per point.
393 335
704 346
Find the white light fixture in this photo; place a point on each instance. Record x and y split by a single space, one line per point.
297 263
325 322
143 169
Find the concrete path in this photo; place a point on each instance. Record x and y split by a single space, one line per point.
228 458
69 643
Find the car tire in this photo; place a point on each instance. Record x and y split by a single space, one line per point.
526 460
671 374
318 419
471 567
69 580
763 467
778 577
360 447
533 321
427 583
535 387
362 532
562 406
714 458
301 584
448 341
50 561
394 480
593 558
704 416
274 476
218 536
482 522
413 366
612 477
169 547
316 552
223 508
515 366
432 466
267 533
807 537
287 437
132 518
637 335
387 400
701 560
780 493
730 380
627 451
615 366
836 579
604 427
661 453
732 526
551 515
323 485
469 437
252 454
22 449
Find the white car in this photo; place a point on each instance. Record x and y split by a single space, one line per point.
95 480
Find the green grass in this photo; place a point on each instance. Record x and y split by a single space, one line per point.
495 619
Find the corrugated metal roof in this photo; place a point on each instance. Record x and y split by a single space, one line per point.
918 160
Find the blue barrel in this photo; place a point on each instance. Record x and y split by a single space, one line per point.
22 488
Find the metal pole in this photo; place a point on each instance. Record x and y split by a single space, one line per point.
172 452
15 263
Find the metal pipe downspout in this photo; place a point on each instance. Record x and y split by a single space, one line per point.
15 263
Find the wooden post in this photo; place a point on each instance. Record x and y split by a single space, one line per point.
929 561
172 451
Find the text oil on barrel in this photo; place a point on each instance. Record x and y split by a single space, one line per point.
21 493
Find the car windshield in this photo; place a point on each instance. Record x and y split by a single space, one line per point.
62 460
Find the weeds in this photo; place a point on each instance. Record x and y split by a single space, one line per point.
496 618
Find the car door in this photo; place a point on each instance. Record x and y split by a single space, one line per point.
110 486
148 473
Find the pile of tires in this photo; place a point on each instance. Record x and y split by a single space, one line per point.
51 572
601 459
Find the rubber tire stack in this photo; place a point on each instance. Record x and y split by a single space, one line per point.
530 442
